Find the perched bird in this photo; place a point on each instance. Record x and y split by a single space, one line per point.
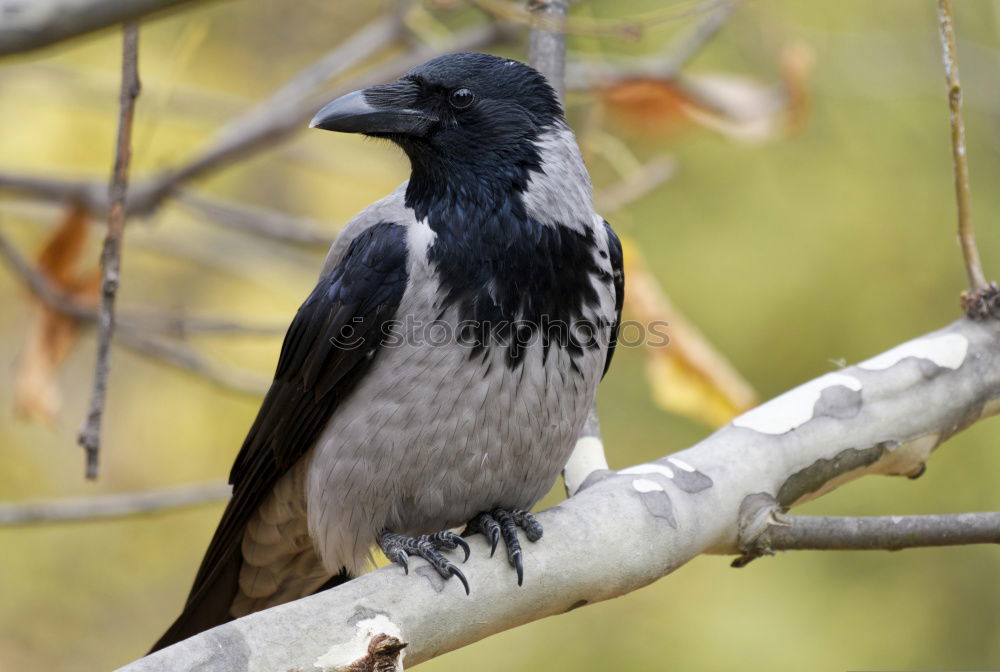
441 370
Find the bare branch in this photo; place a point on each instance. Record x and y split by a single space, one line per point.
635 185
52 189
691 44
258 221
188 359
966 237
156 321
627 529
31 24
547 44
90 434
277 119
85 509
42 287
631 28
885 533
260 129
764 528
284 112
667 65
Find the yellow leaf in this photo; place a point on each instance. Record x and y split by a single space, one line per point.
687 375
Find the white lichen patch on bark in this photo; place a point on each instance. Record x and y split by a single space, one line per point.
795 407
648 468
946 350
677 462
587 457
646 485
346 656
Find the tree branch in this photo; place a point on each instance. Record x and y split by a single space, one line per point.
171 324
258 221
90 434
547 43
764 528
649 177
982 298
625 530
667 65
187 359
85 509
31 24
261 128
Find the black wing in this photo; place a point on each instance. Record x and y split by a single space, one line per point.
329 346
618 278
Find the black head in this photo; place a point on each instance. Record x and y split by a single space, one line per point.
453 114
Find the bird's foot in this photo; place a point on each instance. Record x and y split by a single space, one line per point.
504 523
398 548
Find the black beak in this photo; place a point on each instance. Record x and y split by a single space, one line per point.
389 115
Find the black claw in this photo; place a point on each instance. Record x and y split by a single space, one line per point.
518 566
455 571
464 546
401 559
485 524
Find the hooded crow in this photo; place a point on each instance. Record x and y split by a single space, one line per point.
441 370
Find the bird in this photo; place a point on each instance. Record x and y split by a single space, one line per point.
440 372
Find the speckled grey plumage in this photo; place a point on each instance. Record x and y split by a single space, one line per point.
430 436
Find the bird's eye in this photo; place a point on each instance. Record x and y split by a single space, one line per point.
461 98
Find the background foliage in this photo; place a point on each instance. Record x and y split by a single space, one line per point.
833 242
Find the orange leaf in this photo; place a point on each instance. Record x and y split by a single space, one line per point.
648 105
52 334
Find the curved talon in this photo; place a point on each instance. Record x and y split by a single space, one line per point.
464 546
455 571
518 566
485 524
494 540
400 559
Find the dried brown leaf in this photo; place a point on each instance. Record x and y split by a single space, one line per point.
52 334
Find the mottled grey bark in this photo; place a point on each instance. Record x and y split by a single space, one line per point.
626 529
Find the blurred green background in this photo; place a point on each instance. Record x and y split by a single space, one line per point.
835 242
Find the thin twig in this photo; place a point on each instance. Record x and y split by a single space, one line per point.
283 112
631 28
90 434
966 237
547 44
692 44
103 507
259 221
185 358
884 533
868 533
635 185
162 322
668 65
263 127
43 288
